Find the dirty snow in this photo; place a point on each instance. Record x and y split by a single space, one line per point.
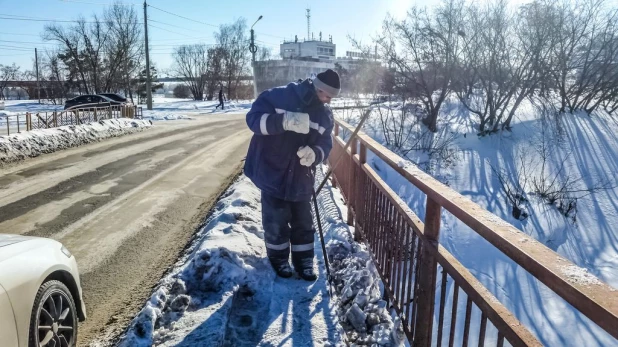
36 142
224 292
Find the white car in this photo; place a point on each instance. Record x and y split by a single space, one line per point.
40 293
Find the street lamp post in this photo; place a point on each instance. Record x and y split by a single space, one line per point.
253 50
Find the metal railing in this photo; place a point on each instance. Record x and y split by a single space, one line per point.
408 255
76 116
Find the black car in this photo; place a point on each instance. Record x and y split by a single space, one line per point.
90 101
114 97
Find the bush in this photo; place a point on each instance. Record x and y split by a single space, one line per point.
182 91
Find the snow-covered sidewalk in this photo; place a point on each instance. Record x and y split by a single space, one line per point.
223 292
36 142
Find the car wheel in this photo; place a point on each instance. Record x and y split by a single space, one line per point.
54 319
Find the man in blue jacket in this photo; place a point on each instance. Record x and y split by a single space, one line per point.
292 134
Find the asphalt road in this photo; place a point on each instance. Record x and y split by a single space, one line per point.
125 207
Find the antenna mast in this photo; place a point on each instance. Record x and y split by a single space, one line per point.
308 24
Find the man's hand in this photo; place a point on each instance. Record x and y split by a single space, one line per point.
295 121
306 155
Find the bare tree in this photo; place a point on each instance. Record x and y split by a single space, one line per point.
500 63
422 49
101 53
232 39
583 64
124 48
191 64
216 64
7 73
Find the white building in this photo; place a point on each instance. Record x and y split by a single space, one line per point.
323 50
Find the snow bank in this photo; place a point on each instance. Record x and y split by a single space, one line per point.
36 142
224 290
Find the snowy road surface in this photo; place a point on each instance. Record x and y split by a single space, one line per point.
125 207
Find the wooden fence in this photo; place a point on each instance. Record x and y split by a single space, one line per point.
408 254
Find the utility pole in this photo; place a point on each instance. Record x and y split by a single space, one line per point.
148 81
253 50
38 83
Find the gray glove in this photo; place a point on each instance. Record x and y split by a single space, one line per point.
295 121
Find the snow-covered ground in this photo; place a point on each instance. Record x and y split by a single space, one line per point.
171 108
163 108
36 142
578 146
224 292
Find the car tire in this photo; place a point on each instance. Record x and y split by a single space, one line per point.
54 318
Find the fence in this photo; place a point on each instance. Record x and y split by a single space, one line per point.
53 119
407 254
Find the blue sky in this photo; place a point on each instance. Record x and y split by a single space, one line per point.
282 20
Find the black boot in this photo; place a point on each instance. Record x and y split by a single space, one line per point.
305 270
282 268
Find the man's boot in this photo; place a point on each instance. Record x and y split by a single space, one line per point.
282 267
305 270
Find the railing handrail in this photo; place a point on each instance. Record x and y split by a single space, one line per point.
595 299
502 318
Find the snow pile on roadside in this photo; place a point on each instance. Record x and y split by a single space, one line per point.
362 313
36 142
225 291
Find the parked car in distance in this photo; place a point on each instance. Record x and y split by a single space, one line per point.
90 101
115 97
40 293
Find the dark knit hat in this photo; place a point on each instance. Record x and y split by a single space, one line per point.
328 81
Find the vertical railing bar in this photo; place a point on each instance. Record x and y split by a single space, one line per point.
500 340
467 323
419 260
482 331
399 257
375 198
404 281
442 302
394 248
380 229
451 338
387 241
413 261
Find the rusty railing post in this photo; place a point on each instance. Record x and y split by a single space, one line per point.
360 194
8 129
427 277
28 127
18 130
55 115
95 114
335 144
352 182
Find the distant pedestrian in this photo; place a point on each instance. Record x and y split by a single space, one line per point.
220 99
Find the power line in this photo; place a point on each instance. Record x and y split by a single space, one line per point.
169 31
39 19
20 34
204 23
15 48
28 42
183 17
